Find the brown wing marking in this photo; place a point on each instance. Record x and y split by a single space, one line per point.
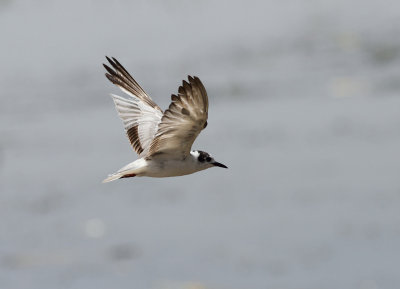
133 135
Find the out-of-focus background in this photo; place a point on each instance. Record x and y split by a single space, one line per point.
304 109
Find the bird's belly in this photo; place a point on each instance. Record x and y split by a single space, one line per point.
169 169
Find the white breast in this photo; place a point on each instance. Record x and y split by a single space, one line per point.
170 168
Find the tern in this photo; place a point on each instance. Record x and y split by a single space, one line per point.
163 140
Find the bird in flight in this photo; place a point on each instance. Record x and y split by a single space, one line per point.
163 140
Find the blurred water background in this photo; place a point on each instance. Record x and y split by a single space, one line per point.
304 109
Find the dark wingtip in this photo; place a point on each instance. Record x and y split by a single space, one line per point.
108 69
116 61
196 79
174 97
186 85
110 77
108 59
112 62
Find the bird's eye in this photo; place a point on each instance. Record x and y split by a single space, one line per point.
208 159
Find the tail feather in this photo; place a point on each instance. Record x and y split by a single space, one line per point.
117 176
128 171
112 177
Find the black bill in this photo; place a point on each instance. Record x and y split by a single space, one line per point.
217 164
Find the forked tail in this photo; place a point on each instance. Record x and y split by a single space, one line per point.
117 176
128 171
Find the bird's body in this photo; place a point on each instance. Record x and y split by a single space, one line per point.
163 140
159 168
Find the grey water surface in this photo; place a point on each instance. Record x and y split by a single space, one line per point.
304 110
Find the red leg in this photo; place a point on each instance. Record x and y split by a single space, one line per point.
128 176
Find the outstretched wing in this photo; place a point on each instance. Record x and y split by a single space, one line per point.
182 122
139 113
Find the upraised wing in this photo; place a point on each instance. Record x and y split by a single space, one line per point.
139 113
182 122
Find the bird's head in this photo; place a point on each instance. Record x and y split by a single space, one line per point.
205 161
